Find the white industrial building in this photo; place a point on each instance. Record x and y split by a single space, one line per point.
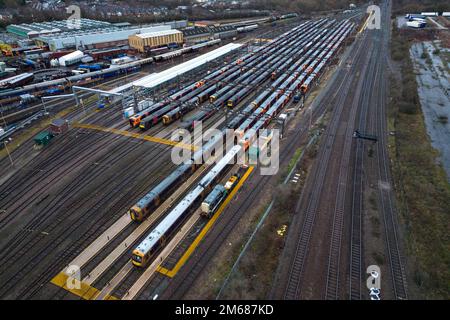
93 39
107 36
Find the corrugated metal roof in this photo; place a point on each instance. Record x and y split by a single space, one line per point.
166 75
158 33
72 55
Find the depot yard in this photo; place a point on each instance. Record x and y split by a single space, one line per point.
66 193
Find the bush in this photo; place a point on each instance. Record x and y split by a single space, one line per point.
397 55
285 198
407 107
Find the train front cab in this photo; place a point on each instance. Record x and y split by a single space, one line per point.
212 98
140 259
304 89
134 121
166 119
169 118
146 124
136 214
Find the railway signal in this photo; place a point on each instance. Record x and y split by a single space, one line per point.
364 136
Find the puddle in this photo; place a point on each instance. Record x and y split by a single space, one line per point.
434 94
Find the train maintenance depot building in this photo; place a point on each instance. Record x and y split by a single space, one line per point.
145 41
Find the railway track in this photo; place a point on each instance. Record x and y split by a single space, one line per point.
332 288
293 286
117 155
386 197
374 120
356 261
117 207
186 276
182 283
94 216
57 158
89 177
356 229
396 264
113 269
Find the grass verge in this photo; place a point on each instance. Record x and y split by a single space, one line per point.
421 183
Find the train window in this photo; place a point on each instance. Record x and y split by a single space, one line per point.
137 258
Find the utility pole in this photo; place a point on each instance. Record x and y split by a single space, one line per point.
82 104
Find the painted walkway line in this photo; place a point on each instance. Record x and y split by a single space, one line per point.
135 135
84 291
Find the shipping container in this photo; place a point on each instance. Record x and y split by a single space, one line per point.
43 138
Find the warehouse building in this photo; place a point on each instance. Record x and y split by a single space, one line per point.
198 34
89 34
35 29
94 39
143 42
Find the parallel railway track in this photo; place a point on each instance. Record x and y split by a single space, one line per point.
386 197
33 288
293 286
181 284
26 247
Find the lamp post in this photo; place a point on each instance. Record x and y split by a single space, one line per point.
7 150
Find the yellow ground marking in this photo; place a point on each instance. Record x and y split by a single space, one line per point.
85 291
201 235
136 136
366 23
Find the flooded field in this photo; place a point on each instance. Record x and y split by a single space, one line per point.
432 65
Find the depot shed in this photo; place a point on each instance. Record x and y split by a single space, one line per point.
145 41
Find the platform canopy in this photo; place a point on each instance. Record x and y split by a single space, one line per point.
156 79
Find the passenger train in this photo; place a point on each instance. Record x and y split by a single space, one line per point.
157 238
271 104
